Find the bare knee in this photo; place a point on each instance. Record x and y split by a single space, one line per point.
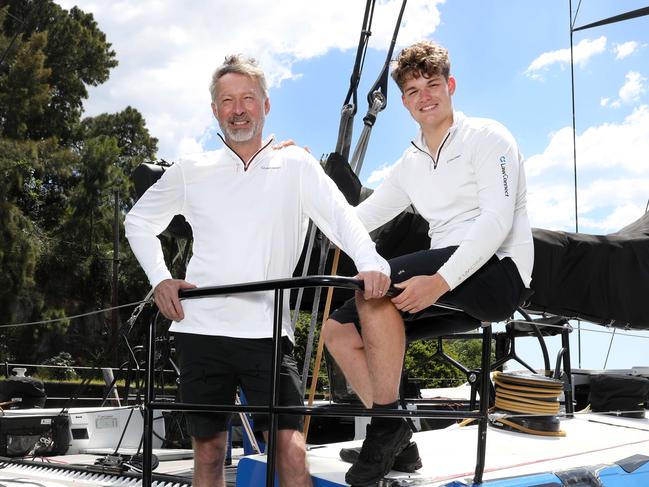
291 459
210 451
372 306
338 337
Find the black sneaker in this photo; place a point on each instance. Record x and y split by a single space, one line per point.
377 454
407 461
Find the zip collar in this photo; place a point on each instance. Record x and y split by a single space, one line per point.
420 143
264 145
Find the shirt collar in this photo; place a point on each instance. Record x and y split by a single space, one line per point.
458 120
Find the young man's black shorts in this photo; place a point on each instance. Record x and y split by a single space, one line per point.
491 294
211 368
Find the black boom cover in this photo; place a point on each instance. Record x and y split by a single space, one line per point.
603 279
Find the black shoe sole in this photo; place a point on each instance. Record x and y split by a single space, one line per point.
371 478
407 461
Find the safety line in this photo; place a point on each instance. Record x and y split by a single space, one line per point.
55 320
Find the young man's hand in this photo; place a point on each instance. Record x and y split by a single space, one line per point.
375 284
419 292
288 143
166 297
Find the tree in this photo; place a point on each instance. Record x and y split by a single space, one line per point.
420 364
24 89
61 175
76 53
19 240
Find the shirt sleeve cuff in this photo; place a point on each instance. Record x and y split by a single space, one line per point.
378 264
158 276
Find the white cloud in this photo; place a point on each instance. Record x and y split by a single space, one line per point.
633 88
613 176
378 175
630 92
625 49
582 53
168 49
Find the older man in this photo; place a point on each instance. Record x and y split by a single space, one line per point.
248 206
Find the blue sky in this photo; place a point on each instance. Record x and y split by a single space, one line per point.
510 59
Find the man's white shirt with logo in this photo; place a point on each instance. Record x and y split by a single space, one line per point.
248 225
472 192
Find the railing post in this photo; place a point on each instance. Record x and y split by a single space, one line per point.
567 370
485 390
276 362
147 474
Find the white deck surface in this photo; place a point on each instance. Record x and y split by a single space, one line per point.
447 454
450 454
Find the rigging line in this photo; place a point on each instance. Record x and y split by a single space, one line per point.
574 156
54 320
345 129
377 99
360 53
610 344
574 124
561 327
343 145
573 20
606 332
350 104
381 83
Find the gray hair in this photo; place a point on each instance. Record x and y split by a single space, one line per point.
240 64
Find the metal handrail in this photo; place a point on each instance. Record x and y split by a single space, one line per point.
273 409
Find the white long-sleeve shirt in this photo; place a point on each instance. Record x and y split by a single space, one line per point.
472 192
248 225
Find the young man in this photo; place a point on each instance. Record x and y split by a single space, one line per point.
465 177
248 207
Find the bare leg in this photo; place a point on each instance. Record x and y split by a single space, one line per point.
292 467
209 459
346 346
384 338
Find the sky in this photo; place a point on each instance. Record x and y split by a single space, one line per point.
511 59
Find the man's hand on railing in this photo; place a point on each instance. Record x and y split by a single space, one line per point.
166 298
375 284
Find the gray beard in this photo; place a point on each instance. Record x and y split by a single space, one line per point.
241 135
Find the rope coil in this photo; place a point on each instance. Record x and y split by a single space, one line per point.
527 394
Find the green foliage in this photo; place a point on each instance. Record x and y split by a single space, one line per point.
62 359
301 338
421 363
76 55
60 176
128 128
24 89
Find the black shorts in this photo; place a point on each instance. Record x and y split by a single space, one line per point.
491 294
212 367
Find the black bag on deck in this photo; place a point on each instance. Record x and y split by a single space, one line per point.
27 392
34 435
626 393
